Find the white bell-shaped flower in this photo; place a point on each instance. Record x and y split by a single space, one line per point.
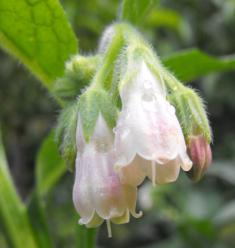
98 193
148 137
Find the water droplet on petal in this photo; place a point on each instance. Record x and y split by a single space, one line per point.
149 102
171 109
126 130
147 84
115 129
148 98
102 148
128 115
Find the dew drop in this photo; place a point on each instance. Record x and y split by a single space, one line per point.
126 130
171 109
114 129
128 115
102 148
147 84
148 98
149 102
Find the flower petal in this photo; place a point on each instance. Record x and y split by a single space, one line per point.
165 173
135 173
131 196
82 191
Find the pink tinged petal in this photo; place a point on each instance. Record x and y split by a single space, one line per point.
107 189
164 173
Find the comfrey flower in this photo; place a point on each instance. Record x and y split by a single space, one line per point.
148 137
98 194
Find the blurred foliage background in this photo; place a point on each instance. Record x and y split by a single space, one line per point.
177 215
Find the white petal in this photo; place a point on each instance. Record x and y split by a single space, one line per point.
165 173
131 196
80 141
82 191
95 221
134 173
122 219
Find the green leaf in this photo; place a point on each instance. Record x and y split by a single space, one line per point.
193 63
37 32
49 165
13 216
136 11
38 221
161 17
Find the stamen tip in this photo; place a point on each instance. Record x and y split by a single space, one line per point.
109 228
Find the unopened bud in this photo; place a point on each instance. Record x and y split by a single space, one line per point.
199 152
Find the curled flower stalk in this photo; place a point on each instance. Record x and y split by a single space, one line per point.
98 194
149 140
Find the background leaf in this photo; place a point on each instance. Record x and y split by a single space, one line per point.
49 165
13 215
38 34
38 221
136 11
162 17
193 63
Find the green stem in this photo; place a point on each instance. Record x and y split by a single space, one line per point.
108 62
13 214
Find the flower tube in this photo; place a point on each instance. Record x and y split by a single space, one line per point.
98 194
148 137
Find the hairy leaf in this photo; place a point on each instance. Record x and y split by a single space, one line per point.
38 34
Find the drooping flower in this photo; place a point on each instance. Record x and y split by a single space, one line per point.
148 137
98 194
199 152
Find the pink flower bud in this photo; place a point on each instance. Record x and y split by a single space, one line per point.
199 152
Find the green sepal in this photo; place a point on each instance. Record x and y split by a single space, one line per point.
191 113
65 136
91 103
78 73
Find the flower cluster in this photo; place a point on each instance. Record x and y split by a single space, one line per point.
134 120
